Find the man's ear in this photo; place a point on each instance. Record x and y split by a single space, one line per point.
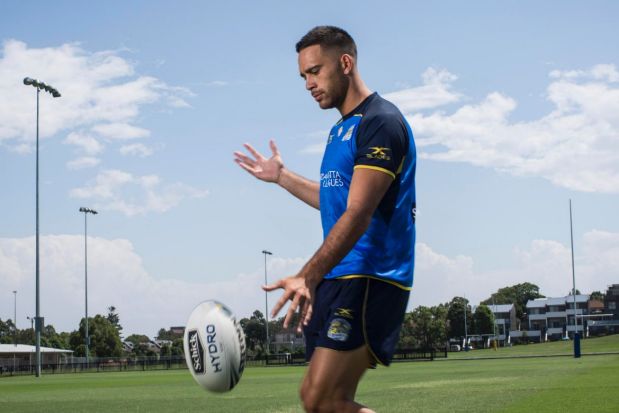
347 63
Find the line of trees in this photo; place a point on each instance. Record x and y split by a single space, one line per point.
423 328
432 327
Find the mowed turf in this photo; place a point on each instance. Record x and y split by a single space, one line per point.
550 384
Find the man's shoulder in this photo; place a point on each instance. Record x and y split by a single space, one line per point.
381 110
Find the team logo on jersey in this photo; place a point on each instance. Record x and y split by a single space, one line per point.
377 152
339 329
348 133
344 312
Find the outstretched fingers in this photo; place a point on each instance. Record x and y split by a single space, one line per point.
274 149
282 300
292 308
305 315
254 152
240 156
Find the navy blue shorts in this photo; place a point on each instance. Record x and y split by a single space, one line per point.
348 313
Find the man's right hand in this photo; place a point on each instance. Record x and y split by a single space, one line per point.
268 170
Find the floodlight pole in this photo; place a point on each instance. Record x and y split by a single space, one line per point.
576 335
494 323
15 317
14 326
266 304
86 211
466 344
38 320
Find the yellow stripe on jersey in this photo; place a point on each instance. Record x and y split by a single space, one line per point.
376 168
399 171
351 276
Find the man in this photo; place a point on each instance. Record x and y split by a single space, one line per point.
352 294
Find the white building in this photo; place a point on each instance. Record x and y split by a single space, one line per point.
17 356
504 319
554 317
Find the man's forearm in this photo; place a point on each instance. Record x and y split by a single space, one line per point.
341 239
306 190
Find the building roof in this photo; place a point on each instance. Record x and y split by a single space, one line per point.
580 298
25 348
555 301
537 303
501 308
542 302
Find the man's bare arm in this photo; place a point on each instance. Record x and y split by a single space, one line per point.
305 189
273 170
367 189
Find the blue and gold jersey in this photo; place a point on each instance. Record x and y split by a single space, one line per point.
374 135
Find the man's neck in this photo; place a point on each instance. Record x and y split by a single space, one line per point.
357 93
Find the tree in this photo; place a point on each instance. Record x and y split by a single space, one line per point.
518 295
164 334
137 339
429 328
140 345
456 317
255 331
104 338
114 318
50 338
596 295
6 331
177 347
483 320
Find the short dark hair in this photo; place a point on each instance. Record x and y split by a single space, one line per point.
330 37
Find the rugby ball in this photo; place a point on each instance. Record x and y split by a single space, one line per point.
214 347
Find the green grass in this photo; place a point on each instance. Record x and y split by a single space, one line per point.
551 384
587 346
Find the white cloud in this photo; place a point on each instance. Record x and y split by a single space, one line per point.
85 142
116 190
436 91
83 162
116 276
546 263
575 146
98 89
120 131
136 149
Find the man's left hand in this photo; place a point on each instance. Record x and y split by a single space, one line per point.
301 296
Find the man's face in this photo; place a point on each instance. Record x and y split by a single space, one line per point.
324 76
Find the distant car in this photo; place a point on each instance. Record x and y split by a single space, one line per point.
455 347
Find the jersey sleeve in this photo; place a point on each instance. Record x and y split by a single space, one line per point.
382 144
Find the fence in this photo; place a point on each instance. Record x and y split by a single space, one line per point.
99 365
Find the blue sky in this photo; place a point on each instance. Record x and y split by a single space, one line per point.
513 107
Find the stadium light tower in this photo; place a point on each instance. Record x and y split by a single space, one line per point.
15 317
86 211
266 304
576 335
38 320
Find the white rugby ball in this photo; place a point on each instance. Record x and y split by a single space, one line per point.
214 347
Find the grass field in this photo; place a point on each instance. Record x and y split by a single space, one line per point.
550 384
587 346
